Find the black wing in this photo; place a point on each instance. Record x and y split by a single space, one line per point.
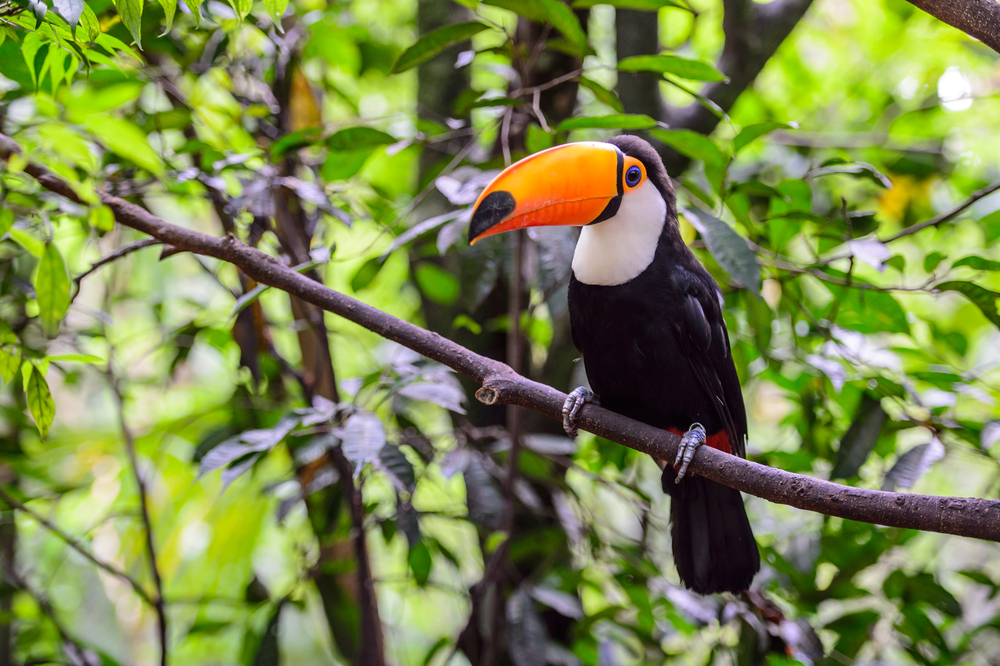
706 346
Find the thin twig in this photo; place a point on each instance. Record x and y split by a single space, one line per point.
158 605
117 254
962 516
946 216
78 546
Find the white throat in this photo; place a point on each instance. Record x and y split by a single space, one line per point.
620 248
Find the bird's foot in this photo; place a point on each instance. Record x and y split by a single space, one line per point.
692 439
576 399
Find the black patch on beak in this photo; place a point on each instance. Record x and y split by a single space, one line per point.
612 208
493 209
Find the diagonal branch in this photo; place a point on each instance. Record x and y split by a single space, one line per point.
978 18
969 517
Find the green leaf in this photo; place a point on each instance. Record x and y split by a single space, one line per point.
275 10
728 247
983 298
751 132
536 139
364 276
435 42
694 70
643 5
125 139
241 7
603 95
354 138
169 9
29 49
101 218
51 290
565 21
529 9
269 653
6 220
991 226
69 10
10 356
860 438
867 310
436 283
89 24
294 140
420 562
27 241
628 121
39 398
978 263
696 146
130 12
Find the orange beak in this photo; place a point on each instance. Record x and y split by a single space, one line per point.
573 184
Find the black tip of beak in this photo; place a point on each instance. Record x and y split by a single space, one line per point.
492 210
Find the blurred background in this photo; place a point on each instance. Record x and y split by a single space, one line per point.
314 494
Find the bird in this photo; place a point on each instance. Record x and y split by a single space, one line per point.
648 320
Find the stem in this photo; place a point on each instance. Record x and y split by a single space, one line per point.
157 601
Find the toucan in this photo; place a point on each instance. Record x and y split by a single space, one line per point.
647 317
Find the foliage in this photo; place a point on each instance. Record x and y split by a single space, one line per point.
868 353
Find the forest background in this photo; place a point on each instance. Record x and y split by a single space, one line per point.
199 469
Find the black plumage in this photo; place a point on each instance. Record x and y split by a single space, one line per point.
656 349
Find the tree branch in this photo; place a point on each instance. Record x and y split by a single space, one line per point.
947 215
978 18
969 517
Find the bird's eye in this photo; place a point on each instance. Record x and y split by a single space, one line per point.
633 176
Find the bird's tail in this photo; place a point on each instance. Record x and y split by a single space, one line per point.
714 547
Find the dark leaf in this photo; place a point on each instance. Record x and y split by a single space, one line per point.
364 275
394 463
978 263
435 42
728 247
526 634
482 495
420 561
913 464
860 438
269 654
983 298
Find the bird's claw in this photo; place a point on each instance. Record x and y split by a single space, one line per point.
576 399
692 439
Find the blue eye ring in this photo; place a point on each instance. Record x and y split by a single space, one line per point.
633 176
